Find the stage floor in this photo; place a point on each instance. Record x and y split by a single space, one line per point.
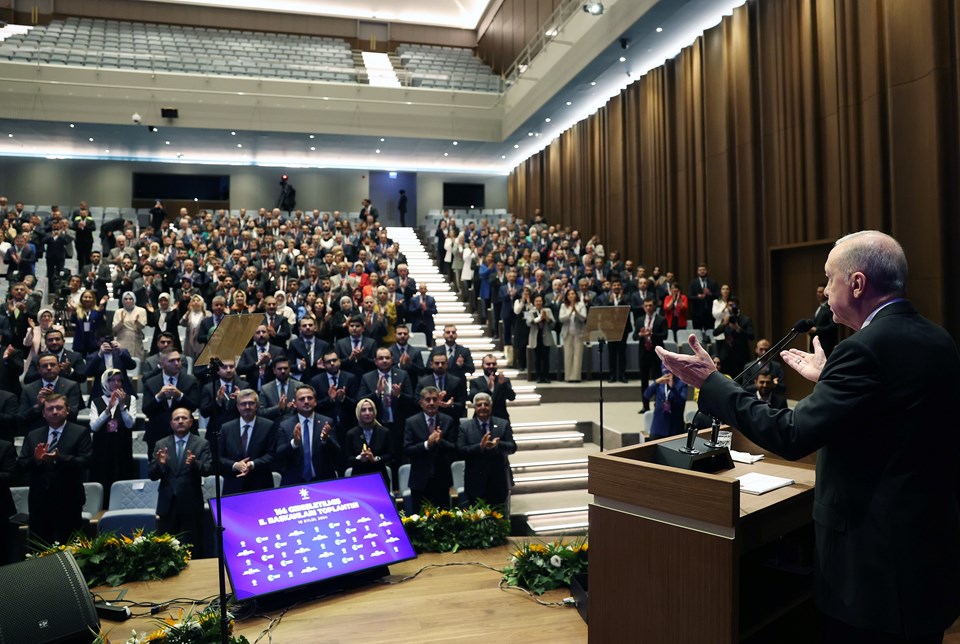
454 603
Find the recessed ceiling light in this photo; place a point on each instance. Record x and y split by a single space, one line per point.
378 150
551 33
11 136
382 139
167 142
326 98
456 143
593 83
446 154
239 145
311 136
312 148
90 139
516 146
233 134
503 156
659 29
529 133
623 59
72 125
409 102
107 150
569 103
546 120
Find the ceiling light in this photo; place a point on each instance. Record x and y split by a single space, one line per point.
659 30
569 103
456 143
107 151
623 59
167 142
593 8
90 139
311 136
503 156
239 145
551 33
446 154
312 148
11 136
529 133
593 83
233 134
382 140
378 150
546 120
72 125
516 146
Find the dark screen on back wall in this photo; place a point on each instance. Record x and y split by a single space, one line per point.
463 195
205 187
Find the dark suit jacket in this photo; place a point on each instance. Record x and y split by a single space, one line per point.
270 399
58 484
415 368
422 321
8 467
158 412
826 328
452 366
877 402
401 405
248 369
658 331
77 371
427 464
282 328
487 473
179 480
455 388
9 416
30 413
501 394
379 444
217 413
298 351
344 347
260 450
342 411
289 459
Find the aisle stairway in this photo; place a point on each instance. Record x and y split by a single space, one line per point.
550 467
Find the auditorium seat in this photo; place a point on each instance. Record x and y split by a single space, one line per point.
127 522
134 494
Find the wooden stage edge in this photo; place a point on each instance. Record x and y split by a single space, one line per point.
453 603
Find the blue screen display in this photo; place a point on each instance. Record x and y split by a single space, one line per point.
279 539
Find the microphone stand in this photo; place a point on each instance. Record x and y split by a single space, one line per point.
602 342
213 438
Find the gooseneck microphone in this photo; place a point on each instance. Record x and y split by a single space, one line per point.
801 326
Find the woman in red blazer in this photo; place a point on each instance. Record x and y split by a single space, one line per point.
675 308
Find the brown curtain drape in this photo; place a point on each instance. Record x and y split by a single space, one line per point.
791 121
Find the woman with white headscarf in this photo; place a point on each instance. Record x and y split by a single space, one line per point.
284 309
163 318
128 324
33 341
196 311
112 417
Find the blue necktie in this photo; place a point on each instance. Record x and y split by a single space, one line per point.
307 454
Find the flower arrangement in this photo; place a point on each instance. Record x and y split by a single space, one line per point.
112 559
443 530
200 627
539 567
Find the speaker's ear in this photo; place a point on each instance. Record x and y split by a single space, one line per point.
46 599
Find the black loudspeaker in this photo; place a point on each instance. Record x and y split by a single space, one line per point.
46 600
169 112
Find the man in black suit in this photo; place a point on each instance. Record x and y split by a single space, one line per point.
11 368
495 384
306 448
210 323
50 382
453 390
162 393
765 390
357 352
402 207
306 350
430 442
420 312
247 447
651 331
276 397
180 463
218 399
83 226
8 531
278 327
485 443
9 416
459 358
823 325
617 349
876 399
255 361
406 356
701 294
55 457
336 393
20 259
71 363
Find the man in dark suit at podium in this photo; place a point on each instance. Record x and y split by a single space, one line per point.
886 510
246 447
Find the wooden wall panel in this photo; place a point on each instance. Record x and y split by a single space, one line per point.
790 122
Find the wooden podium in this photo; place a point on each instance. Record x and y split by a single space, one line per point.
681 556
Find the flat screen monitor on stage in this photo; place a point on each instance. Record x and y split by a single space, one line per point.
291 537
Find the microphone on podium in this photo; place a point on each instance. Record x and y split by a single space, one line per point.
800 327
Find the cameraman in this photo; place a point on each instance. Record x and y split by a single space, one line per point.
734 350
